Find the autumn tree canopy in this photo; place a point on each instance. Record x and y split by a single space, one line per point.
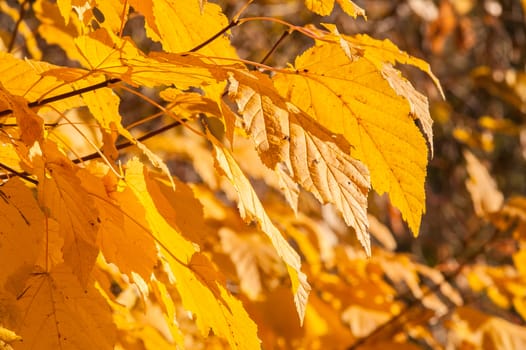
168 183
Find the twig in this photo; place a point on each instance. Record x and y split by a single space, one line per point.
281 38
65 95
23 175
126 144
215 36
17 26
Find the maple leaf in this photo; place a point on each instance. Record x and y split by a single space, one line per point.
181 26
56 312
316 158
65 200
123 231
20 235
353 99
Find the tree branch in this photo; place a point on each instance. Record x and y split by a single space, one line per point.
215 36
23 175
66 95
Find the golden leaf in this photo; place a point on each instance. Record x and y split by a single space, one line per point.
317 159
181 26
215 308
21 234
56 312
352 98
124 232
65 200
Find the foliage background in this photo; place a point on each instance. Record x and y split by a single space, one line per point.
460 284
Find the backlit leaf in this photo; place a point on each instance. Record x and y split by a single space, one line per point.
353 99
65 200
316 158
251 209
56 312
181 26
215 308
21 234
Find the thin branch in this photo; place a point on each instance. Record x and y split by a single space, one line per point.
126 144
23 175
17 26
65 95
435 288
215 36
281 38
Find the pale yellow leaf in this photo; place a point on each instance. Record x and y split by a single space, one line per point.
418 102
484 192
250 255
8 336
251 208
352 98
316 159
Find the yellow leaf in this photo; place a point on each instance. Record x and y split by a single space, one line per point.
324 7
7 336
350 8
215 308
249 254
321 7
352 98
30 124
65 200
56 312
65 8
380 52
418 102
54 30
251 208
106 53
182 25
125 239
316 159
21 234
165 233
25 78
